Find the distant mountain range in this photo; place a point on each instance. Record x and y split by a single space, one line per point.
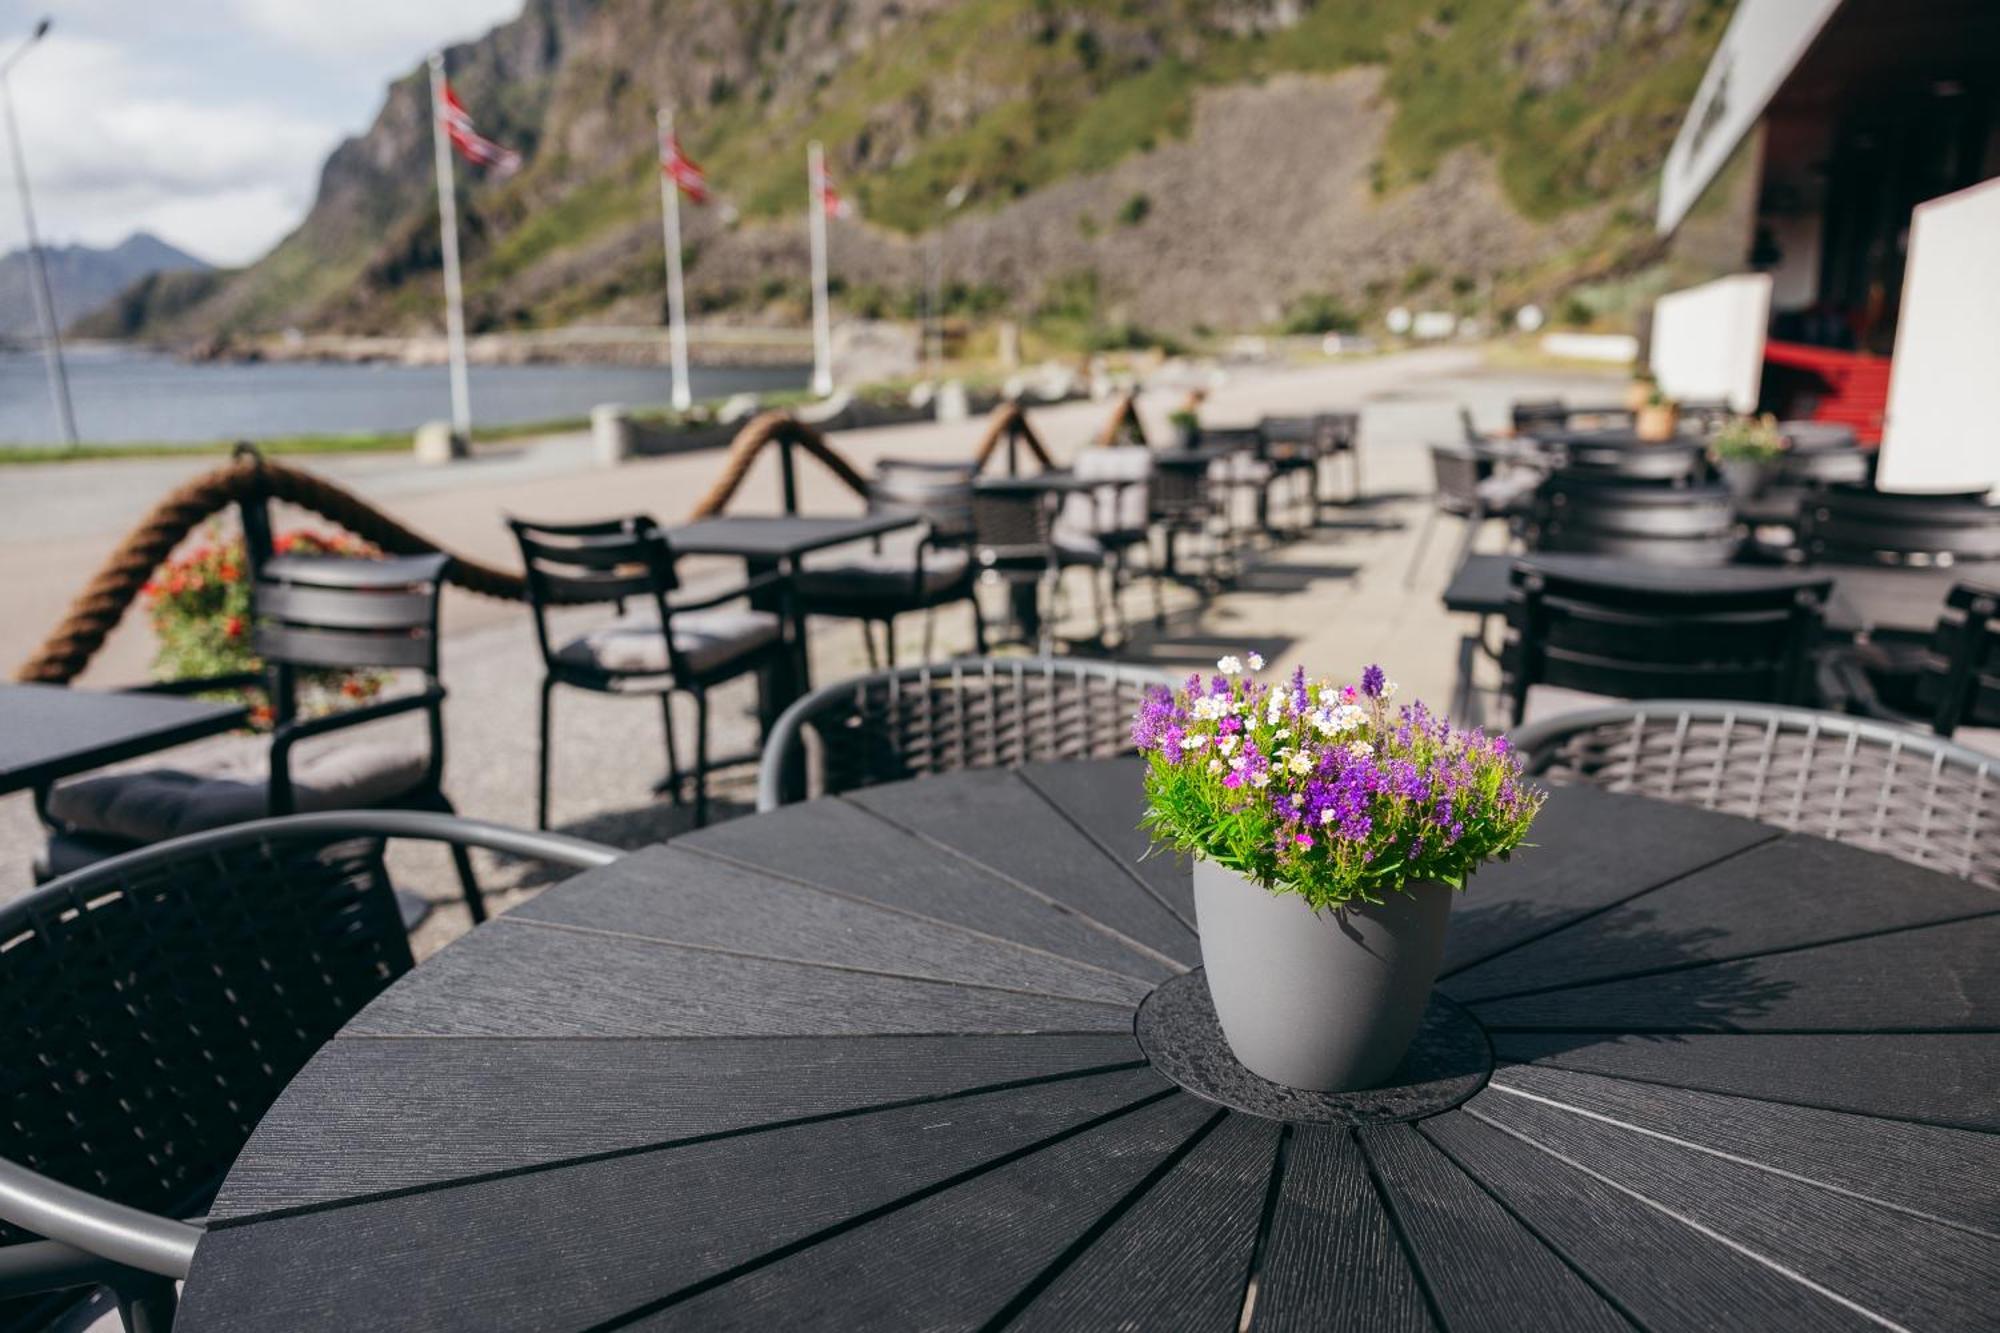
1114 168
83 278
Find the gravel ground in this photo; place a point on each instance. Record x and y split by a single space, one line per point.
1335 600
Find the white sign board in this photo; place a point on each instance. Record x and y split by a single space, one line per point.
1942 428
1764 42
1708 341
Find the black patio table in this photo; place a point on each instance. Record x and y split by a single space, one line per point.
1878 601
51 732
775 543
932 1055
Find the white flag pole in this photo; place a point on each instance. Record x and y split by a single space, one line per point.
670 205
822 380
454 296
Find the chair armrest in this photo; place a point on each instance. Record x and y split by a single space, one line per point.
38 1266
235 680
82 1221
1843 686
292 732
755 585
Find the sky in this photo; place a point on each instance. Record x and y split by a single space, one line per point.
202 121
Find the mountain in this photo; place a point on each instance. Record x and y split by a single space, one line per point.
1126 164
82 278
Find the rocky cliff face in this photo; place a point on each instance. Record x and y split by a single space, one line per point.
1174 164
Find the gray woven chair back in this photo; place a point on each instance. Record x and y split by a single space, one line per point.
1180 492
1853 525
975 713
1011 519
1123 503
1915 797
1668 525
150 1014
1458 473
940 494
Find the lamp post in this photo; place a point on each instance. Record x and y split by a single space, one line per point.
934 281
45 306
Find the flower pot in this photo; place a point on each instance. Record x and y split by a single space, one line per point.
1328 1001
1656 421
1636 394
1746 478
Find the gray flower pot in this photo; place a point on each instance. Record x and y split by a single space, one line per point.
1746 478
1325 1001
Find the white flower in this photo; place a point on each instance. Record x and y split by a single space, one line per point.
1209 707
1230 666
1256 661
1301 762
1361 749
1226 744
1298 800
1194 742
1238 762
1261 780
1282 734
1326 815
1388 691
1329 695
1215 765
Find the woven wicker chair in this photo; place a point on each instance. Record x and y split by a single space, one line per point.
975 713
1915 797
153 1006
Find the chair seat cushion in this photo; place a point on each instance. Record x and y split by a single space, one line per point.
230 782
1508 489
1244 469
871 577
1547 701
1076 548
710 640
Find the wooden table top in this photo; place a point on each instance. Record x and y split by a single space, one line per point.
870 1062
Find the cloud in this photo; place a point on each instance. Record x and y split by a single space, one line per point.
109 153
388 35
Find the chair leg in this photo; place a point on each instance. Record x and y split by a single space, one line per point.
1097 605
930 632
673 760
1423 544
461 860
868 642
1473 523
542 767
147 1305
701 758
889 644
978 623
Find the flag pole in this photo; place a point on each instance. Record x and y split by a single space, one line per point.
670 204
454 296
822 380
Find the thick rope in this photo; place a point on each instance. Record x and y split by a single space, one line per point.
1124 426
773 428
1008 421
103 603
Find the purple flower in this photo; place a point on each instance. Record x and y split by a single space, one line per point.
1372 681
1301 697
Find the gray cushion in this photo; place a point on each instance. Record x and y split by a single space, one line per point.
231 782
1986 740
872 576
1547 701
709 640
1508 488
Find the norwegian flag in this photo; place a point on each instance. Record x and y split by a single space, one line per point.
473 146
830 200
681 169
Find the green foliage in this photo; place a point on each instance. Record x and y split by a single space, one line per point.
1319 313
1748 440
1134 210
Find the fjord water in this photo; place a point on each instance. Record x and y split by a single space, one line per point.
129 396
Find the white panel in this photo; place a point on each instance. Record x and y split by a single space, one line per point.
1764 41
1708 341
1942 431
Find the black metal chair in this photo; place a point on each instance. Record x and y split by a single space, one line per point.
876 587
921 721
1115 513
1184 505
660 649
1016 542
310 613
1615 459
1242 471
1669 525
1855 526
1297 446
1472 485
1539 416
153 1006
1950 685
1918 798
1670 634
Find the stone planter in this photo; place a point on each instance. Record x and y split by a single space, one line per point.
1324 1001
1746 478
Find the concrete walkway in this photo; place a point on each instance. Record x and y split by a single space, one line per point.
1335 600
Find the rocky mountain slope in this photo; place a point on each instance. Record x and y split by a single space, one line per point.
1123 164
83 277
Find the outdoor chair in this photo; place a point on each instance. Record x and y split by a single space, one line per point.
1689 526
1472 485
1918 798
154 1006
1664 463
1016 541
1242 471
1857 526
875 587
1539 416
309 613
658 649
976 713
1578 640
1296 446
1184 505
1115 513
1950 685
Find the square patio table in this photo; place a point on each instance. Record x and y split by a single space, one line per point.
50 732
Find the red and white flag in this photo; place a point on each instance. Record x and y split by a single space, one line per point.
831 201
473 146
681 169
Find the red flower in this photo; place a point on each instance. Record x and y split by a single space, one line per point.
232 628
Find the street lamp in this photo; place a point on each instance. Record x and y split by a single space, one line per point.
934 280
45 305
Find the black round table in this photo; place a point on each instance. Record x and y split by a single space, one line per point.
871 1063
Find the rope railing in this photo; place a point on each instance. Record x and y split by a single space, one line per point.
785 431
1123 426
1008 424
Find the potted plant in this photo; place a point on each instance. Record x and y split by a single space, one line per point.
1658 418
1640 391
1746 452
1186 426
1329 829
